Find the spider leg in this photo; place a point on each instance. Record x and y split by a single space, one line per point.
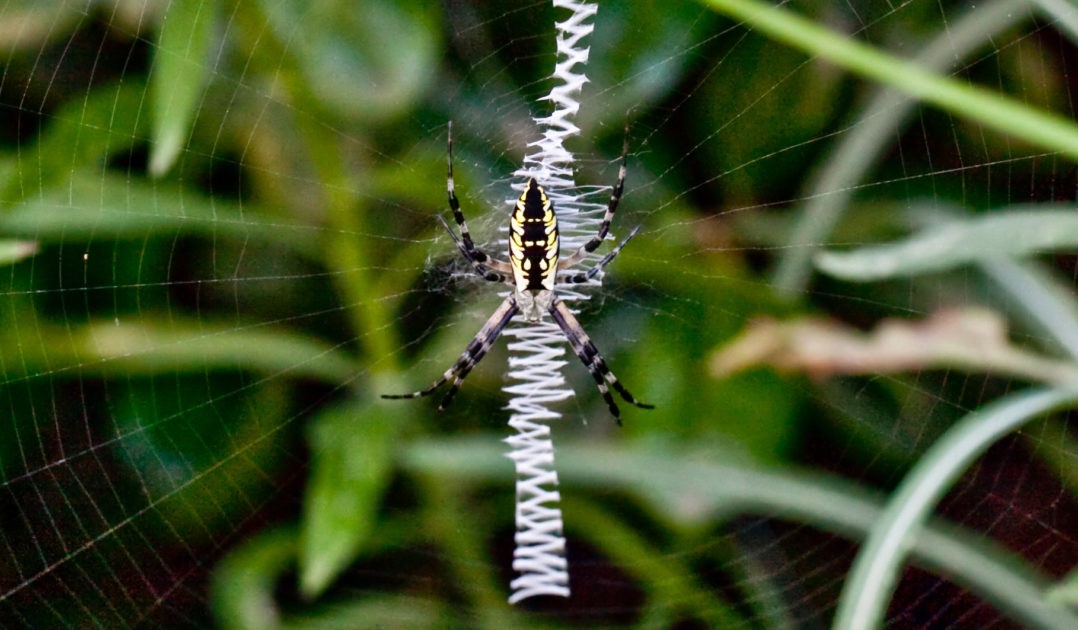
472 355
611 208
584 276
589 355
492 269
481 261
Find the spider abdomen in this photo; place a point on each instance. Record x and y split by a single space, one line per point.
533 240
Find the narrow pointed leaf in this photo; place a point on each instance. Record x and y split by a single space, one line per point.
150 346
1002 113
351 457
874 574
180 68
1012 234
244 583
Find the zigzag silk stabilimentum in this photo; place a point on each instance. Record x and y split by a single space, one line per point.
536 353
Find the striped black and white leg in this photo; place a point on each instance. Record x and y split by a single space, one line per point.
487 266
472 355
491 269
584 276
611 208
589 355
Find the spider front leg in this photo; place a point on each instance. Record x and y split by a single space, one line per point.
584 276
589 355
611 208
486 270
487 266
475 351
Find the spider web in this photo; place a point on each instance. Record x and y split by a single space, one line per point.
218 246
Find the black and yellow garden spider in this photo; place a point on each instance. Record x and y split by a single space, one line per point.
534 270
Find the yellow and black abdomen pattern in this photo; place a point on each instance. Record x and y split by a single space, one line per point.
533 240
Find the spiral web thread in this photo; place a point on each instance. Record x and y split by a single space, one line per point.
536 354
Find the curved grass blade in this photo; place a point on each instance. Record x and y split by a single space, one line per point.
731 487
875 571
1002 113
244 583
1011 233
886 114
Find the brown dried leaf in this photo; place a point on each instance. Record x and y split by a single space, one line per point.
969 339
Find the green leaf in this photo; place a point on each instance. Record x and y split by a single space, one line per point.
180 68
1002 113
94 206
368 60
1011 233
703 488
875 570
243 584
351 457
14 250
884 115
377 611
668 580
1041 300
1065 592
82 133
148 346
204 448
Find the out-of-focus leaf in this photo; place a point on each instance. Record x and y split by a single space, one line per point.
14 250
858 150
351 457
678 350
180 68
694 487
1065 592
29 24
205 448
969 339
639 67
763 102
1064 15
363 60
94 206
146 346
1012 233
996 111
378 611
244 582
82 133
875 571
670 580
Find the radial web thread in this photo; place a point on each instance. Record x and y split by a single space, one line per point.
536 353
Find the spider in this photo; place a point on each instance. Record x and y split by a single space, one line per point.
534 270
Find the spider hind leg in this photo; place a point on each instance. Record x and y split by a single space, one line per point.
589 355
474 352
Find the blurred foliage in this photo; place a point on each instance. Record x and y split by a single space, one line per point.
218 245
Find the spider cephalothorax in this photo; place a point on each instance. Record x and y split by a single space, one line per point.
534 270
